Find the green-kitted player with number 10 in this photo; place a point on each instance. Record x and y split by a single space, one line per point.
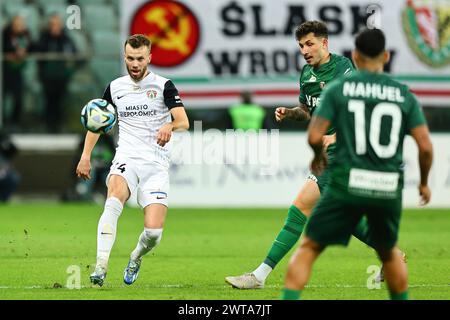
371 114
321 68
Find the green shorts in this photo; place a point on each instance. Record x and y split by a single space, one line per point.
333 221
321 180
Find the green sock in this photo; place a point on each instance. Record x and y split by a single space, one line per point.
362 231
288 294
288 236
399 296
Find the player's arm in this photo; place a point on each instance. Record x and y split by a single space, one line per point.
327 140
316 131
422 138
344 68
318 127
84 165
299 113
180 120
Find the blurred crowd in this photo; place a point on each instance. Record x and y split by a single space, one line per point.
50 68
56 55
54 71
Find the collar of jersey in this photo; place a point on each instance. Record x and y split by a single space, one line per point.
323 65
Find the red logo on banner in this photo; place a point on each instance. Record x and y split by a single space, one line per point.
172 28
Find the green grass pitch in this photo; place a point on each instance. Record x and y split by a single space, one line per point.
39 242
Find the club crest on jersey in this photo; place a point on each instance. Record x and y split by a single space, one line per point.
312 79
151 94
322 85
427 28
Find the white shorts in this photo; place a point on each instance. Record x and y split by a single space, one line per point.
312 177
149 180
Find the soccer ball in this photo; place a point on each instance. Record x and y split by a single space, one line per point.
98 116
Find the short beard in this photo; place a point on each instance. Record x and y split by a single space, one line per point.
140 76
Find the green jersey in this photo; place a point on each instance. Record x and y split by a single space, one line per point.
313 80
247 116
371 113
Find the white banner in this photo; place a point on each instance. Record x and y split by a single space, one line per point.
214 49
220 171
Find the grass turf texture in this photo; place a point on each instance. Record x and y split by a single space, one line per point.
199 248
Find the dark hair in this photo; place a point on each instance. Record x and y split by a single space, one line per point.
317 27
137 41
370 42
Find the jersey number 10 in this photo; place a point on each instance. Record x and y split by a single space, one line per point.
379 111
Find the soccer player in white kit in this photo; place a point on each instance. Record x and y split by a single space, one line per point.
149 108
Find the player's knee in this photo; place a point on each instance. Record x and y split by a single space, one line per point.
310 245
118 188
152 237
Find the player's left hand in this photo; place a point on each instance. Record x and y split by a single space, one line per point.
318 164
327 140
164 134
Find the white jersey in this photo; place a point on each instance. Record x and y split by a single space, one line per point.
142 109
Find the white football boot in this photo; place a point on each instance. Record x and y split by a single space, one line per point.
245 281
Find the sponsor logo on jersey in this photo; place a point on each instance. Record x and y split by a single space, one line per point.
173 29
427 28
137 107
311 101
140 110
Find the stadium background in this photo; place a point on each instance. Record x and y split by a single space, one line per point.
230 47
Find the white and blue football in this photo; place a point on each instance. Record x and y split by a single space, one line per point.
98 116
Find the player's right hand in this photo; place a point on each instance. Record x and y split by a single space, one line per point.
84 169
280 113
425 194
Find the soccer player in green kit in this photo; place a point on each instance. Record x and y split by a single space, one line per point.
321 68
371 113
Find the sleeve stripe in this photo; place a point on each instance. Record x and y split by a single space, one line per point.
171 96
107 95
